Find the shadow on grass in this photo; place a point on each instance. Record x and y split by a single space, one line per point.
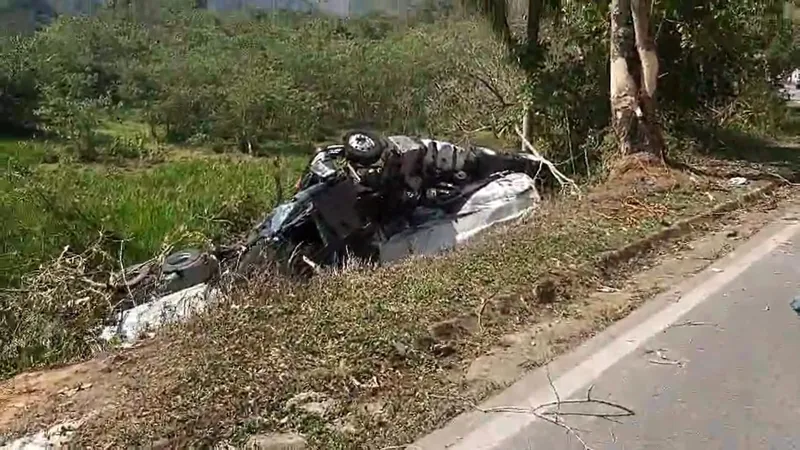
735 145
285 149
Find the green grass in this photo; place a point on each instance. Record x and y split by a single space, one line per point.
46 206
20 152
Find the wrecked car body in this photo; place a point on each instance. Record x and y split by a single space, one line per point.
371 198
363 198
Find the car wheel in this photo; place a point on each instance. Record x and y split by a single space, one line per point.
182 260
191 266
363 147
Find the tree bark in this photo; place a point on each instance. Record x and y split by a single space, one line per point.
497 13
532 25
648 59
634 75
535 8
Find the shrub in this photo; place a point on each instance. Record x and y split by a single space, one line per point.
18 93
73 120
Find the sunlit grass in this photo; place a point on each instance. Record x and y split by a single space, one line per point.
44 207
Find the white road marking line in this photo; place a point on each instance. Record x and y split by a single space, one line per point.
506 425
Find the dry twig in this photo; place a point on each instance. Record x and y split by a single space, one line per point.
663 359
692 323
482 307
557 417
67 286
562 179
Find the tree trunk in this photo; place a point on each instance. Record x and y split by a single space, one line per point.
532 57
532 26
634 75
527 127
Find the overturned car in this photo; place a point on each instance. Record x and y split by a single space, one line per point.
381 199
371 198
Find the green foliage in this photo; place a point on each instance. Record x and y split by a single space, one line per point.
720 66
80 57
73 120
245 81
43 208
569 92
18 93
710 52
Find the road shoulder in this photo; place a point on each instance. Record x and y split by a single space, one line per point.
674 273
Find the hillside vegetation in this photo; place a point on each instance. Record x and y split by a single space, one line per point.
137 133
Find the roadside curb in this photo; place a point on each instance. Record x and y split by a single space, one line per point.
613 258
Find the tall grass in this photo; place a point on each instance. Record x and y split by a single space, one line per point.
45 207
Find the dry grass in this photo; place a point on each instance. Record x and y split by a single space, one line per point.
53 317
389 346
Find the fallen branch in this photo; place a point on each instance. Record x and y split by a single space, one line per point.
560 177
554 417
691 323
663 359
492 89
557 417
780 178
482 307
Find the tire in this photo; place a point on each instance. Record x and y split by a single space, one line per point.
286 260
188 268
363 147
182 260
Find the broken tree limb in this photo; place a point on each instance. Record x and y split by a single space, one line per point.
560 177
557 417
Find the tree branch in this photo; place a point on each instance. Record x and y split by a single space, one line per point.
488 85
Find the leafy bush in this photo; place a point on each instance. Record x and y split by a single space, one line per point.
81 57
74 120
712 51
18 93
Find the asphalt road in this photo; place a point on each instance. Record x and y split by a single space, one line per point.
717 369
729 378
